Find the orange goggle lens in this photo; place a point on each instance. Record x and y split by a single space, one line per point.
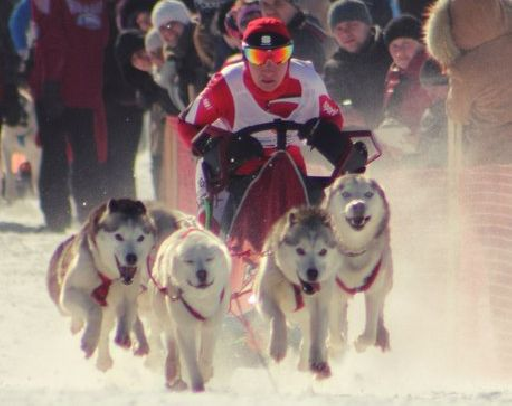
258 56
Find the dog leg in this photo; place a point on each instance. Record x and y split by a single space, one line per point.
80 303
173 379
382 340
373 304
278 334
126 322
186 337
338 322
305 344
140 335
209 333
104 361
318 329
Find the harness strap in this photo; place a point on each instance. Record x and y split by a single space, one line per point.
299 300
101 292
368 281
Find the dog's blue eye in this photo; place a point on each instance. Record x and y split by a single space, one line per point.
209 259
119 237
368 195
301 252
189 261
322 252
346 195
141 238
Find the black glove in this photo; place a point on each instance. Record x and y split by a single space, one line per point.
327 138
51 100
241 149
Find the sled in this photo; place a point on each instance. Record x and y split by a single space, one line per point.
277 187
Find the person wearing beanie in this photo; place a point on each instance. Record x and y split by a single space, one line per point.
177 30
170 17
355 75
267 85
312 43
404 98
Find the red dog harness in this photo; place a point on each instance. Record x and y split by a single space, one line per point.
101 292
368 281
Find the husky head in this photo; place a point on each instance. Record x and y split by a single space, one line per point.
358 207
307 250
121 235
199 262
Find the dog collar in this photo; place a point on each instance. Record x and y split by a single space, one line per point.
101 292
368 281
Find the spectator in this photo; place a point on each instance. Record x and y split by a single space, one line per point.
473 39
433 139
176 29
404 98
11 110
135 14
19 26
311 42
355 75
67 82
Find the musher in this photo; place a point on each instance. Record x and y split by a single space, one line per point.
266 86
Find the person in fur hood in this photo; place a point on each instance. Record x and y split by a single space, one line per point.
473 40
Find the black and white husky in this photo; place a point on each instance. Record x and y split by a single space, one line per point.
95 276
295 284
360 214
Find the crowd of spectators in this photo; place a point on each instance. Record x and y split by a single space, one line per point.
96 68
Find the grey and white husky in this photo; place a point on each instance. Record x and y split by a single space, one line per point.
295 284
360 214
95 276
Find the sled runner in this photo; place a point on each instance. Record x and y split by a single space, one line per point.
257 200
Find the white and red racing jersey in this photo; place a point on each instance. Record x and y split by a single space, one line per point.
232 101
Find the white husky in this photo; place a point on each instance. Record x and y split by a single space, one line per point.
95 276
190 296
360 215
295 284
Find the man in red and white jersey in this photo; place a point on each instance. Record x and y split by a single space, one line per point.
267 85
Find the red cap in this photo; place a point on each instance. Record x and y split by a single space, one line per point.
266 32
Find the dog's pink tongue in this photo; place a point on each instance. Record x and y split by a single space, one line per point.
128 272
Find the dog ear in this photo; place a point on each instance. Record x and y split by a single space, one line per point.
140 207
292 218
113 205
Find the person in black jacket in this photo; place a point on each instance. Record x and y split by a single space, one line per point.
311 42
355 75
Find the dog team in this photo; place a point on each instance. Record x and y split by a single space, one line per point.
142 269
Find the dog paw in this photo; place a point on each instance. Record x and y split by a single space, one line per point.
176 386
76 325
104 364
278 349
123 340
321 369
198 387
382 340
142 349
88 346
363 342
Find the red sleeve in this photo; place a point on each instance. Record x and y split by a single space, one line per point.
49 18
329 110
214 103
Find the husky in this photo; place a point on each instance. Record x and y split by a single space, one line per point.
190 294
295 283
95 277
21 139
166 221
360 214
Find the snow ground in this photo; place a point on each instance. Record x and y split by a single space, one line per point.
432 362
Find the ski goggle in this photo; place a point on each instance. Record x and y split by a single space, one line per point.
258 56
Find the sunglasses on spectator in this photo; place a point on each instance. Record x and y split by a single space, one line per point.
259 56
